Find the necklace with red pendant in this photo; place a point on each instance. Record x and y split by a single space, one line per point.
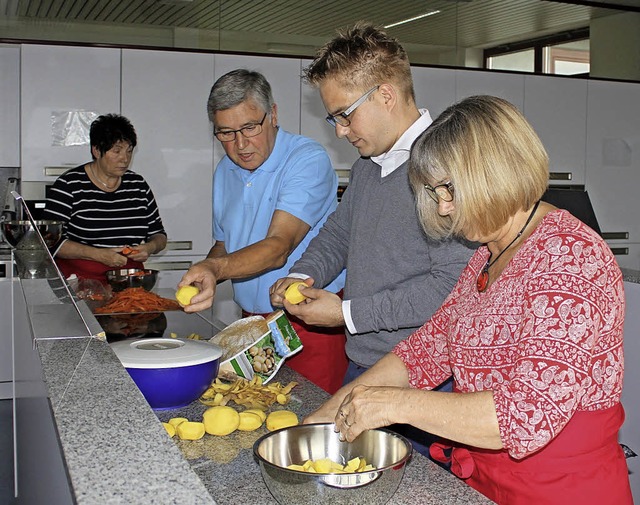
483 277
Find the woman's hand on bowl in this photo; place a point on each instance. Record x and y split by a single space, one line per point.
365 408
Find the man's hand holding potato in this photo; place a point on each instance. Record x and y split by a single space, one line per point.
320 308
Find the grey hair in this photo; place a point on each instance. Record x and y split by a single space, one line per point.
237 86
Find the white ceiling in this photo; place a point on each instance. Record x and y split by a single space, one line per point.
459 24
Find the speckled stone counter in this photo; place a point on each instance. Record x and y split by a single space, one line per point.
630 275
117 451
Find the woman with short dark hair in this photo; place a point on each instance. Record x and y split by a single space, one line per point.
111 219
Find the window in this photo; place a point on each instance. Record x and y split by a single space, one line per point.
562 54
567 59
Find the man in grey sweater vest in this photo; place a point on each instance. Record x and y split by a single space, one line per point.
396 277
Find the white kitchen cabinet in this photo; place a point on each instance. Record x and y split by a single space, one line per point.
627 254
435 88
503 85
313 125
175 143
556 107
9 105
283 75
58 83
629 433
613 156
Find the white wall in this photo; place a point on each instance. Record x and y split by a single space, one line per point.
615 46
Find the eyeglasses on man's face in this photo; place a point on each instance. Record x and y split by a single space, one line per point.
440 192
251 130
342 118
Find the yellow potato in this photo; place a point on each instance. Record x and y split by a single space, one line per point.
352 465
249 421
260 413
185 294
326 465
220 420
281 419
293 294
175 421
190 430
171 429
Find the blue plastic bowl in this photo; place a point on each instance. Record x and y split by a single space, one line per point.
172 388
170 373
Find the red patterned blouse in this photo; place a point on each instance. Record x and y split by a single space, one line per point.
545 337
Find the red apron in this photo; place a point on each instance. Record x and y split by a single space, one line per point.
584 465
322 360
88 269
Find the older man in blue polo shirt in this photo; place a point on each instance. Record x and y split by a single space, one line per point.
272 192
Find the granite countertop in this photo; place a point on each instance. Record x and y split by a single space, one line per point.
117 450
630 275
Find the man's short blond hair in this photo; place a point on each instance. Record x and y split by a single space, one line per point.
492 156
362 57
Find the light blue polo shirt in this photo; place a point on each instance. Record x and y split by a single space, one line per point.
297 178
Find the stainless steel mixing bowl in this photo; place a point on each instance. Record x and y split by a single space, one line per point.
22 235
132 278
387 451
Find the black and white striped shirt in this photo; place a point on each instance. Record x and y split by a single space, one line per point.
127 216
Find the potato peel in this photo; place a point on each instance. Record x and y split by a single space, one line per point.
252 394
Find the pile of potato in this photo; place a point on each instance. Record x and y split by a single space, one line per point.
223 420
220 419
326 465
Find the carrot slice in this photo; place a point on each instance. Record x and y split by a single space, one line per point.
129 250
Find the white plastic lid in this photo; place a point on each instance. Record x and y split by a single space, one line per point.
164 352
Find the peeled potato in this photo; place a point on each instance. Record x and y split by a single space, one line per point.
171 429
281 419
220 420
293 295
175 421
249 421
260 413
185 294
190 430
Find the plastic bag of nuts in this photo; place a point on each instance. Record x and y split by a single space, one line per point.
264 355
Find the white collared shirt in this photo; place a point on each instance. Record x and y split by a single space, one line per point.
399 152
389 161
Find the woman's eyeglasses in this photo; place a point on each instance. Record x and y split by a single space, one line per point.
440 192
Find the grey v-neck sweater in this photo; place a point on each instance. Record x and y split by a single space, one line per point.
396 277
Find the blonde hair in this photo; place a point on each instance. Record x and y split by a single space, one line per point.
492 156
362 56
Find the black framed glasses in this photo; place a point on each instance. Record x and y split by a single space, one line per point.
440 192
342 118
251 130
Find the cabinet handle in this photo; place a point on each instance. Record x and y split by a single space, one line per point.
560 176
615 235
620 251
56 171
169 265
179 245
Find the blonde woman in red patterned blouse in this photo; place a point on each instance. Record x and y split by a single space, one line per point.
532 331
